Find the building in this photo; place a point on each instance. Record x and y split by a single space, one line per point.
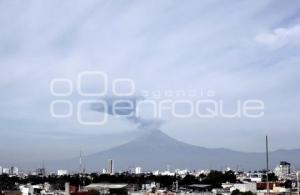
67 188
5 171
29 189
199 187
138 170
256 177
41 171
245 187
108 188
14 171
283 169
62 172
110 167
11 193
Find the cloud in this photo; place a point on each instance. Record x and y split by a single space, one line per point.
125 107
280 37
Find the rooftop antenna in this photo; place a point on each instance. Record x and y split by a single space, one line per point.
80 162
267 164
44 169
83 174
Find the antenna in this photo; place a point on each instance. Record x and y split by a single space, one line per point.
80 170
43 169
83 171
267 164
80 162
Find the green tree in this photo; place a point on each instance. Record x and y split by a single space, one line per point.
271 177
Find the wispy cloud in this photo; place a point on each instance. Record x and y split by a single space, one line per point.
280 37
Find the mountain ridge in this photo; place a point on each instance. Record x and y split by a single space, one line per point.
154 150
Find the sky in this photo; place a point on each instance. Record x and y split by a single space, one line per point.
239 50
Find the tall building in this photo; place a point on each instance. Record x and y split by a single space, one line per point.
14 171
41 171
110 167
283 169
138 170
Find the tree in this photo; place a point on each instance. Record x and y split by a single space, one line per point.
271 177
188 180
216 178
237 192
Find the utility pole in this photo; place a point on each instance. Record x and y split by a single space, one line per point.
267 165
80 170
298 187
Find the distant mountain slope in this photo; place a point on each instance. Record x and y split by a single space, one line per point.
156 150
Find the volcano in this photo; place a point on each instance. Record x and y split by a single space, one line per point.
155 150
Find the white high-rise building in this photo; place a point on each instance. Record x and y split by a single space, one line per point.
0 170
138 170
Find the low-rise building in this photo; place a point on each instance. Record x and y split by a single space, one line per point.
62 172
108 188
244 187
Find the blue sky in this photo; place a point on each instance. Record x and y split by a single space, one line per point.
238 49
